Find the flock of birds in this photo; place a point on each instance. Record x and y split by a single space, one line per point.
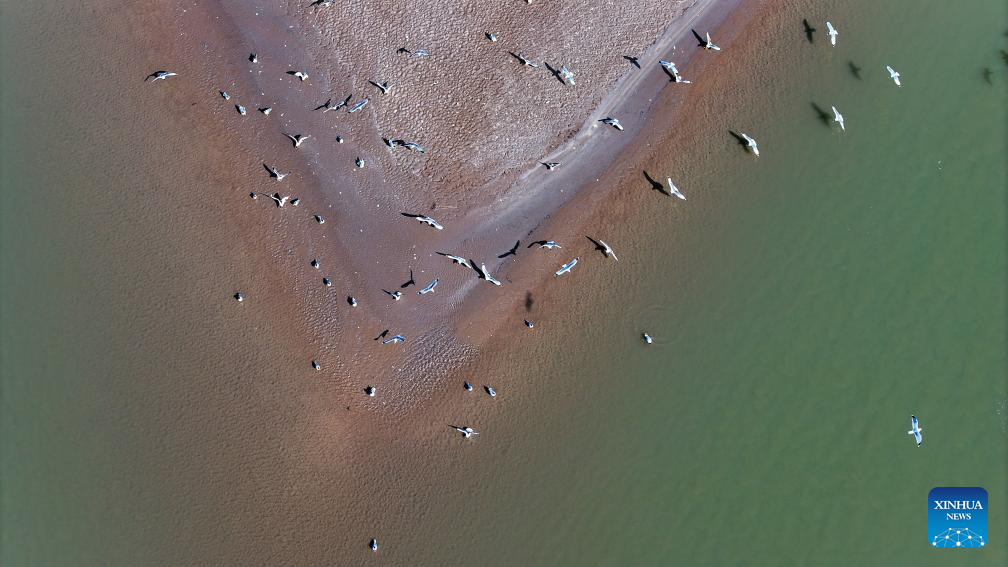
480 269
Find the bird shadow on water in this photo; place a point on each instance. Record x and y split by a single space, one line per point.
655 184
854 70
822 114
809 30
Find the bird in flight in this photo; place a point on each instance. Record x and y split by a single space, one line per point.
706 43
395 339
751 144
466 431
299 74
424 219
604 248
894 75
297 139
430 287
915 430
483 273
524 60
832 33
457 259
614 122
674 190
160 75
512 252
383 87
359 106
838 118
673 72
566 267
547 244
551 165
274 172
328 104
396 295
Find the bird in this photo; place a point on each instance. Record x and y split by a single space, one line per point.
370 391
832 33
915 430
383 87
299 74
239 297
274 172
467 386
466 432
547 244
524 60
512 252
751 144
351 300
319 219
295 201
395 339
566 267
987 75
647 338
266 110
430 287
279 200
315 263
674 190
374 542
529 324
317 4
566 75
456 259
359 162
484 273
491 36
551 165
241 109
316 365
225 95
706 43
327 282
410 282
614 122
253 58
408 145
838 118
424 219
382 334
359 106
328 104
633 60
673 72
490 390
396 295
604 248
297 139
160 75
894 75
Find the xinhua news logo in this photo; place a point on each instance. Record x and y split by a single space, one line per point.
957 517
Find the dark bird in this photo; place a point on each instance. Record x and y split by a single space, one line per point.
809 30
410 282
1004 56
512 252
854 70
633 60
382 335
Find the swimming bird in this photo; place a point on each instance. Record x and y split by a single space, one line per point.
359 106
614 122
751 144
832 33
491 36
566 75
633 60
467 386
809 30
395 339
424 219
604 248
351 300
275 173
279 200
374 542
566 267
319 219
396 295
706 43
551 165
382 335
483 273
524 60
297 139
266 110
547 244
647 338
160 75
466 432
239 297
383 87
457 259
895 76
430 287
490 390
915 430
512 252
838 118
240 109
674 190
299 74
410 282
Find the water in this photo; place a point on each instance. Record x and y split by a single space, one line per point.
804 304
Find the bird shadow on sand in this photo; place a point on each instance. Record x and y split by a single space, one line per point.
529 301
702 41
809 30
738 137
633 60
555 72
655 184
854 70
824 116
598 246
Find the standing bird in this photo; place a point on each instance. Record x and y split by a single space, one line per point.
490 391
297 139
894 75
424 219
373 544
160 75
832 33
915 430
838 118
674 190
604 248
566 267
512 252
614 122
647 338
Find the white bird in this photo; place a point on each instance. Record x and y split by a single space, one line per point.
524 60
894 75
603 247
160 75
710 44
675 190
396 295
466 431
547 244
838 118
239 297
490 391
751 144
327 282
316 365
670 67
298 139
299 74
551 165
359 106
373 545
266 110
566 267
274 172
370 391
430 287
614 122
491 36
320 219
457 259
395 339
424 219
832 33
647 338
240 109
567 75
352 301
915 430
467 386
225 95
484 273
383 87
359 162
279 200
